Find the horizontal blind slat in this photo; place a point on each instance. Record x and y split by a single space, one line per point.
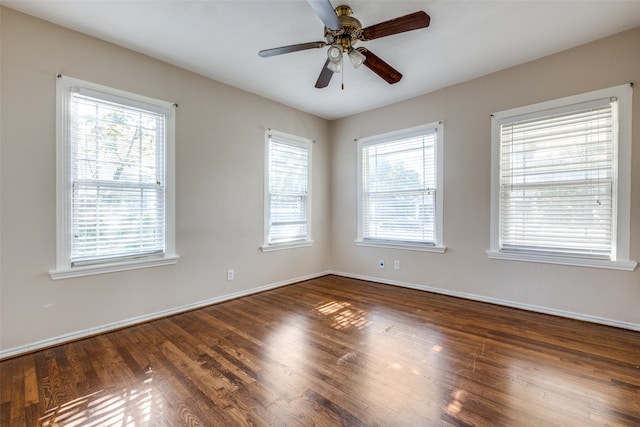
288 191
557 182
117 174
399 189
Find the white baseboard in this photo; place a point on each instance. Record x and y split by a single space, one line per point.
16 351
535 308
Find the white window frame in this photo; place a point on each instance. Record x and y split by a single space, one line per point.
296 141
437 246
621 187
64 269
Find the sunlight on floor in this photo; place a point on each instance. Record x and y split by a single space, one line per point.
343 314
132 407
455 406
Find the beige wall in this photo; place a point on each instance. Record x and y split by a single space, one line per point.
219 188
595 294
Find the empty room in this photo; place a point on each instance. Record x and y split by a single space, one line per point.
299 213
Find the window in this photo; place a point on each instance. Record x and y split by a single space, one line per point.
561 181
287 191
114 155
400 189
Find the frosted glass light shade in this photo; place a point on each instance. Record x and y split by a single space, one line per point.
357 58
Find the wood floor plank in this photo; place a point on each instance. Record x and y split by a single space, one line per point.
17 414
190 404
5 380
334 351
30 383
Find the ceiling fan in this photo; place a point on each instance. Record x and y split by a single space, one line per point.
342 32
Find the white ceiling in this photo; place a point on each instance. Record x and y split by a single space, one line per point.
221 40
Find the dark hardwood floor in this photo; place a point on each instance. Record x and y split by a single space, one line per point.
334 351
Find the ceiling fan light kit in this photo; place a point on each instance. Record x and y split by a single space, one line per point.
342 31
356 57
334 53
335 65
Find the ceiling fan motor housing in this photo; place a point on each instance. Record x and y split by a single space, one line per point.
342 32
349 33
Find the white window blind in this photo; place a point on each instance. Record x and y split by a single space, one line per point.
287 198
557 181
399 188
117 174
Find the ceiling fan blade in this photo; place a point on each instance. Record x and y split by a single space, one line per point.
291 48
410 22
381 68
326 13
325 76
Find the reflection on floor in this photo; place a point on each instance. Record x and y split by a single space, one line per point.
334 351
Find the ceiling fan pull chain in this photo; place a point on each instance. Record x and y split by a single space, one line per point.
342 73
342 31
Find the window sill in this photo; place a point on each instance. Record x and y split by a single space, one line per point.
283 246
90 270
402 245
626 265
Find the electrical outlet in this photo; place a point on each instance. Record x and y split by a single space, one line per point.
381 263
231 274
396 265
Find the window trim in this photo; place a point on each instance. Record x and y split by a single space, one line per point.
300 142
438 246
63 269
622 170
